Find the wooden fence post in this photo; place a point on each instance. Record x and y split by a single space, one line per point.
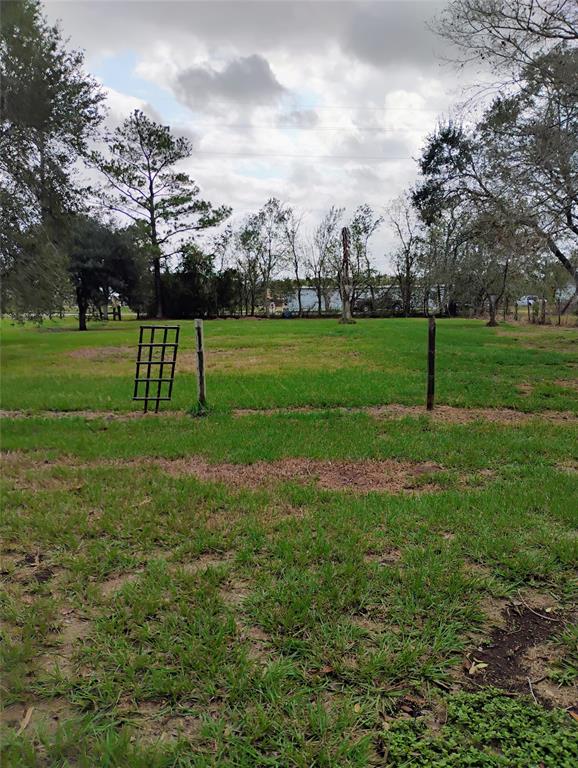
200 364
431 363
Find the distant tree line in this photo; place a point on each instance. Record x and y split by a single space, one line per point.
88 214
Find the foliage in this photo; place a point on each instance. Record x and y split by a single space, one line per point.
101 261
195 289
487 729
49 108
516 171
145 184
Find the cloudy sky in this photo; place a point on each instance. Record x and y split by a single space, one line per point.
317 103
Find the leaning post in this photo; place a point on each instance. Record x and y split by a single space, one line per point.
431 363
200 344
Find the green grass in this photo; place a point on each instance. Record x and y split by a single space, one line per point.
256 364
171 621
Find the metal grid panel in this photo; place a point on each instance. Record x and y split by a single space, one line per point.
152 359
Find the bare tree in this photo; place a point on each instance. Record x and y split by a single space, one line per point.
248 246
406 225
269 224
345 278
509 35
294 248
322 254
363 226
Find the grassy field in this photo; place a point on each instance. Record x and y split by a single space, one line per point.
316 573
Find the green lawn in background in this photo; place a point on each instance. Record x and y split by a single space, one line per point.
151 617
284 363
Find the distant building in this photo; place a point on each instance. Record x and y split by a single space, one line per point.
309 301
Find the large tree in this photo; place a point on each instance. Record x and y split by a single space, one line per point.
102 261
49 109
145 183
517 168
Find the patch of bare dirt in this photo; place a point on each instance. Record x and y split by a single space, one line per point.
384 557
373 625
257 641
28 569
153 722
235 592
567 383
495 610
89 415
570 466
203 562
519 654
73 629
37 713
116 583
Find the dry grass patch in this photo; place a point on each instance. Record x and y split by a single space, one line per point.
91 415
102 354
357 476
442 413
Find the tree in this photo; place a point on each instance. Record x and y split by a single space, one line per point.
248 247
363 226
144 184
294 248
511 36
49 109
101 261
407 228
323 253
268 225
517 168
345 278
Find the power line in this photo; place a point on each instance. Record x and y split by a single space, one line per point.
379 158
315 107
298 127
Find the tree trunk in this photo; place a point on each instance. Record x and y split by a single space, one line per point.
492 302
318 289
158 287
267 302
542 318
345 281
82 307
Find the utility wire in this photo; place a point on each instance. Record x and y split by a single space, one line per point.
379 158
299 127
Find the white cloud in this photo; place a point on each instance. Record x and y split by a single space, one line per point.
311 102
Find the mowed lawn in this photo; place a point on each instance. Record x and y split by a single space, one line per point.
316 573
